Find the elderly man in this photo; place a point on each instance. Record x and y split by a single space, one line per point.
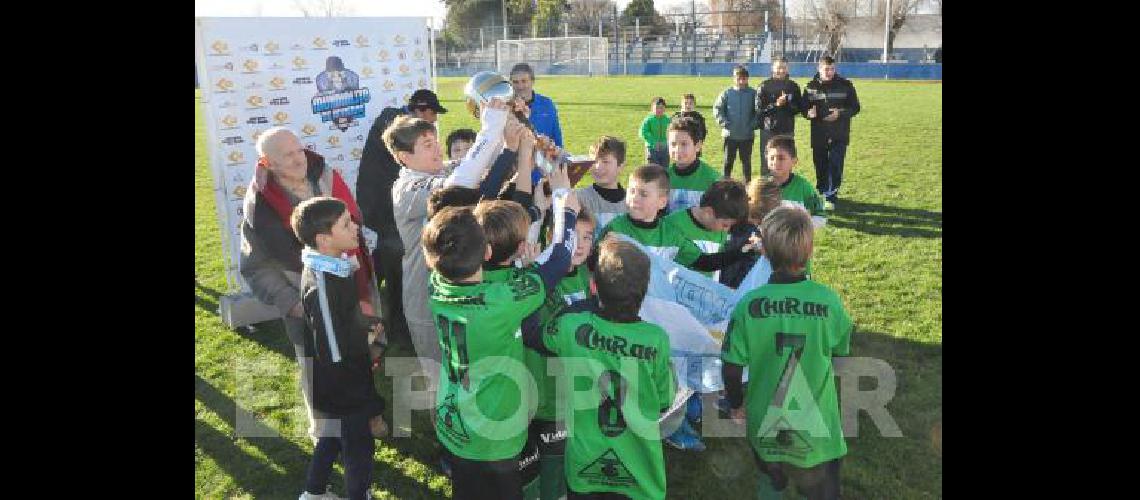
378 171
285 175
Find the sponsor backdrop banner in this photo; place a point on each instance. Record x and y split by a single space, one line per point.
324 78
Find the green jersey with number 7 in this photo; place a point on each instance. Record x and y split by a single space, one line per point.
786 334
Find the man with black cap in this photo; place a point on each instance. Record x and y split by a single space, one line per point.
378 171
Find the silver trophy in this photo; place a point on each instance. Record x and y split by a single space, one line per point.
484 86
487 85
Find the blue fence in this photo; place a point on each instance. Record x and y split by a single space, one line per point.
899 71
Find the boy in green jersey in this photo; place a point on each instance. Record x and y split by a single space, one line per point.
481 405
689 176
648 193
786 333
654 132
548 428
781 151
619 371
505 225
724 204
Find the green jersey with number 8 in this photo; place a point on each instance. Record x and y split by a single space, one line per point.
622 381
786 334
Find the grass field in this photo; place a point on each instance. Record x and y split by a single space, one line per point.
881 250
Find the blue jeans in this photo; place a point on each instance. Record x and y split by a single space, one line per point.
828 155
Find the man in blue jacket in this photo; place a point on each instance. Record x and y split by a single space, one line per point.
542 113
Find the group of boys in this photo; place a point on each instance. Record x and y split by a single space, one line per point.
548 383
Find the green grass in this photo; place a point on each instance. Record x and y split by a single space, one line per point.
881 250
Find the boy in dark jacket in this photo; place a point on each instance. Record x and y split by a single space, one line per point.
829 102
777 103
342 368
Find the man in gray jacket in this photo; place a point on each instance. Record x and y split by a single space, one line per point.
735 111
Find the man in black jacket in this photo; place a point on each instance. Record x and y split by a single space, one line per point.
777 103
378 171
829 102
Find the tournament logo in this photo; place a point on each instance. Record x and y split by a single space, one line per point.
607 470
382 56
220 48
299 64
235 158
402 55
239 192
340 99
366 71
281 118
319 44
389 85
255 134
277 83
224 85
361 41
399 40
356 153
334 141
309 130
271 48
229 122
405 70
279 101
250 66
255 102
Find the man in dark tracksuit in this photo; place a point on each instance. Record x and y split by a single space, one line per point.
378 171
777 103
829 102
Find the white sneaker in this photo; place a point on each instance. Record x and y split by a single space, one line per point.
327 495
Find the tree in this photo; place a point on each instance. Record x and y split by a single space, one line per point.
323 8
584 15
900 9
830 19
745 16
651 21
548 17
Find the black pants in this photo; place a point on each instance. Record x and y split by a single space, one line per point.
355 442
731 146
828 155
820 482
386 261
479 479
